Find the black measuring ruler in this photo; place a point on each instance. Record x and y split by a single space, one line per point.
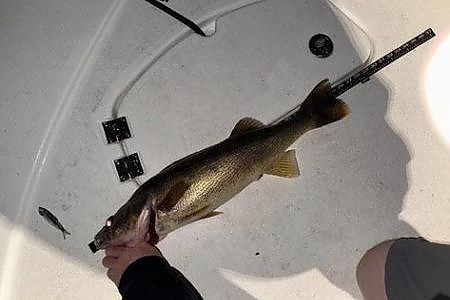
364 74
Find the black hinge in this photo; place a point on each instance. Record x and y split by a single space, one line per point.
116 130
128 167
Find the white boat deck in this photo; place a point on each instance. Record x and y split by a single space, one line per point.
381 173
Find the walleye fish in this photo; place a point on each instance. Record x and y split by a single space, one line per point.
193 187
52 220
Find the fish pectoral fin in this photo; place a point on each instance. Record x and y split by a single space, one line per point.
285 166
246 125
173 196
212 214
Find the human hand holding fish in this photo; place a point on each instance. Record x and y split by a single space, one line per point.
118 258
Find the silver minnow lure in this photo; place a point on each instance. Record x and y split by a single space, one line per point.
50 218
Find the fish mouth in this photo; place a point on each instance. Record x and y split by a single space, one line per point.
102 239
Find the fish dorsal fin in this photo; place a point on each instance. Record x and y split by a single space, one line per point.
245 125
173 196
285 166
212 214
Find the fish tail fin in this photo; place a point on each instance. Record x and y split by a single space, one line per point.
322 107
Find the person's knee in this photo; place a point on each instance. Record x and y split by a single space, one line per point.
370 271
373 258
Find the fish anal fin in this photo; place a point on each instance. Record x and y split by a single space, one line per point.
285 166
173 196
246 125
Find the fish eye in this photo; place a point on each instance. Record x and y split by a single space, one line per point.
109 221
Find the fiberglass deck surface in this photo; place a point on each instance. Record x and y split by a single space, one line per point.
379 174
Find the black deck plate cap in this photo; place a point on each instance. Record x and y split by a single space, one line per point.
93 247
321 45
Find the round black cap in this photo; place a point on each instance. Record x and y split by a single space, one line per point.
321 45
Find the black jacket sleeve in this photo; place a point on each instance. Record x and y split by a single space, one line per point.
152 277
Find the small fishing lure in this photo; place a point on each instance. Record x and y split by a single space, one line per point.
50 218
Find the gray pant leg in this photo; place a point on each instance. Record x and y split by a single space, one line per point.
418 270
